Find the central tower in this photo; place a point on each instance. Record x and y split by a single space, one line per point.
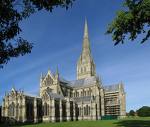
85 64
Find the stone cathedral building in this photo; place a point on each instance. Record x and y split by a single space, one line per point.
85 98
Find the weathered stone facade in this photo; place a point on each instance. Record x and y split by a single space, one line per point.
0 114
60 100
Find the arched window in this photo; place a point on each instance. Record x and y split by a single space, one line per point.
11 110
89 111
76 94
17 110
84 69
80 111
20 111
89 92
85 111
45 109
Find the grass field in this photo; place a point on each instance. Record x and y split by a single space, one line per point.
128 122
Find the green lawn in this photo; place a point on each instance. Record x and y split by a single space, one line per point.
128 122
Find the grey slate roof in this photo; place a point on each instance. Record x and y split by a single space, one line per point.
55 95
31 95
111 88
78 83
83 82
63 80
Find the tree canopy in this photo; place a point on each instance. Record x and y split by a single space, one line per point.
12 12
132 21
144 111
131 113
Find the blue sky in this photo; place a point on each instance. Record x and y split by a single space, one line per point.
57 39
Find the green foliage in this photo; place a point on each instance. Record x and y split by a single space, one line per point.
144 111
131 113
133 20
12 12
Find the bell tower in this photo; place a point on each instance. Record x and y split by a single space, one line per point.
85 64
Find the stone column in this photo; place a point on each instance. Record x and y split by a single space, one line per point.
98 107
50 110
6 111
68 110
2 113
3 108
15 111
81 117
24 110
122 105
53 118
6 106
94 110
74 111
35 111
91 111
60 108
102 102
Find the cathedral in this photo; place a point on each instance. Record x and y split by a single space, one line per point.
85 98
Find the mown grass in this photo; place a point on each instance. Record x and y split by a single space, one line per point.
127 122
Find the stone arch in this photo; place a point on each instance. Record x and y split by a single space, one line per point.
85 93
17 110
84 69
45 109
81 70
11 109
89 111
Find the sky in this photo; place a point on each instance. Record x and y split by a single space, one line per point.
57 39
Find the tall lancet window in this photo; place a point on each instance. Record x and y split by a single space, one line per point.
46 109
11 109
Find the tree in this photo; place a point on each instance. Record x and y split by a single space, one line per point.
144 111
132 21
12 12
131 113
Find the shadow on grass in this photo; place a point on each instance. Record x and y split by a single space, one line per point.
133 123
17 124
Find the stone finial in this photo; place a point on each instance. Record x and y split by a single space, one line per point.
57 72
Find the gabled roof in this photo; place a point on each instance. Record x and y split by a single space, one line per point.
61 79
80 82
84 82
55 95
31 95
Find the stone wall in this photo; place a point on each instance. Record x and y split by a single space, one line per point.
0 114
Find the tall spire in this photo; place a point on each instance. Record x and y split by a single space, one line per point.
86 44
85 66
